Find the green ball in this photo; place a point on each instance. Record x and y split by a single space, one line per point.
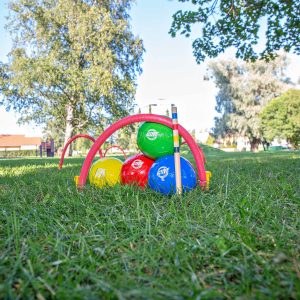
155 140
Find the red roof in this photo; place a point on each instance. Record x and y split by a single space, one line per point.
16 140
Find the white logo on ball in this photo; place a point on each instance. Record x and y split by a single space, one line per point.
100 173
152 134
162 172
137 164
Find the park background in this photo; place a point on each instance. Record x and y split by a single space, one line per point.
170 71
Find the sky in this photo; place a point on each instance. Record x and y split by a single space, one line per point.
170 72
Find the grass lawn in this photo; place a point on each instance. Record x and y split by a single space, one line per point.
239 240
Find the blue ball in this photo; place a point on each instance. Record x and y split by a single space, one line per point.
161 176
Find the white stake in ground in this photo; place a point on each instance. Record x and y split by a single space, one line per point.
176 150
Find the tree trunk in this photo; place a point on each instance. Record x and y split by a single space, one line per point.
254 143
266 145
69 128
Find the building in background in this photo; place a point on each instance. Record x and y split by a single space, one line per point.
242 143
16 142
202 135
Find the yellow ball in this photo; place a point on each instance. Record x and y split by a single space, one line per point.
105 171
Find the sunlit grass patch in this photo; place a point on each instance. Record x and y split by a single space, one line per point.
240 239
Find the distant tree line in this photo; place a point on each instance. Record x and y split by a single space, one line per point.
74 63
245 101
245 88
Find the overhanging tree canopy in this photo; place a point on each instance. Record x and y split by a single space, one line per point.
227 23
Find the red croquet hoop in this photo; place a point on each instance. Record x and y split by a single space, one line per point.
71 140
142 118
115 146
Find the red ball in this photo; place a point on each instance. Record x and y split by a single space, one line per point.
135 170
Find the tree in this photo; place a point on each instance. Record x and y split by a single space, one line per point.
244 89
83 145
281 118
210 140
124 136
73 63
236 23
